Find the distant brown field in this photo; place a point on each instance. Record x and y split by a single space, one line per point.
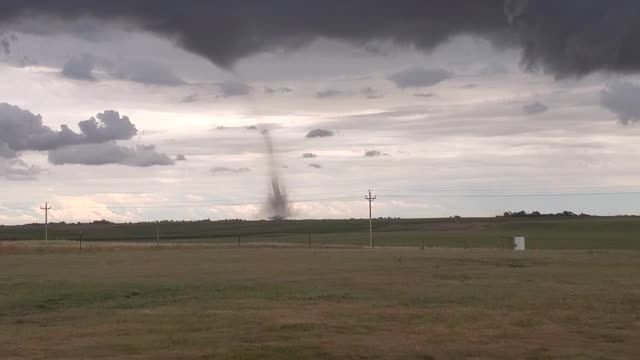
135 301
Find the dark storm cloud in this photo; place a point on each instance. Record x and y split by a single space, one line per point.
225 31
568 37
22 130
330 93
308 155
320 133
494 69
534 108
315 166
80 68
623 99
419 77
181 157
232 88
109 153
576 37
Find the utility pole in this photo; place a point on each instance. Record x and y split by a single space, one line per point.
46 209
370 199
157 233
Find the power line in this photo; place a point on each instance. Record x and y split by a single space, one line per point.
199 205
511 195
513 189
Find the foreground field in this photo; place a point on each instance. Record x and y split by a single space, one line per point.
167 302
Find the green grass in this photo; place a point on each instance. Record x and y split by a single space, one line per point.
201 301
540 233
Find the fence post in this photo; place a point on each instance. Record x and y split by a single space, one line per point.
422 248
80 240
465 244
238 240
309 241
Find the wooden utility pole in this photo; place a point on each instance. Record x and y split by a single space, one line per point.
46 209
370 199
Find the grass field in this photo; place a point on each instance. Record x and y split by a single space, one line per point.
541 233
133 301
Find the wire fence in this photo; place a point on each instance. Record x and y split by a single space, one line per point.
418 240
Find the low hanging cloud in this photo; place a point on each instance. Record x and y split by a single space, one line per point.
17 169
371 93
320 133
419 77
108 126
374 153
327 94
181 157
279 90
21 130
534 108
425 95
309 156
227 170
190 98
80 68
95 144
623 99
6 151
149 73
315 166
109 153
232 88
6 46
5 42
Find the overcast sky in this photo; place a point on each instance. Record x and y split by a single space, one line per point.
126 122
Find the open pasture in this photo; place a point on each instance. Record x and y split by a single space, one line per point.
138 301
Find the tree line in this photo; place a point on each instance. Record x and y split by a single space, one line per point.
523 213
